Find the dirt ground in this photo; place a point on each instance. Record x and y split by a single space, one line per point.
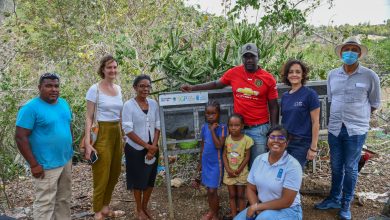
190 204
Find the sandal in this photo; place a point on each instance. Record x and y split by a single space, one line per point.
99 218
115 214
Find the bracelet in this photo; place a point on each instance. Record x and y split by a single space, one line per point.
253 217
313 150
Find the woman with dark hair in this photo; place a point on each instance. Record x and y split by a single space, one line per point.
105 100
141 124
276 176
300 109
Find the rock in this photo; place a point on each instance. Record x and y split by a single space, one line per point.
20 216
28 211
177 182
4 217
21 212
386 208
81 215
361 201
378 218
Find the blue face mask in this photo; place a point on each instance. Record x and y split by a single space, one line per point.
349 57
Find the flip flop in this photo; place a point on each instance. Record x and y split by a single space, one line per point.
97 218
115 214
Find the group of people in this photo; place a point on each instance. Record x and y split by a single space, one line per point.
272 184
138 120
44 138
274 179
235 154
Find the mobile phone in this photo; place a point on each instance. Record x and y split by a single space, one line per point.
93 158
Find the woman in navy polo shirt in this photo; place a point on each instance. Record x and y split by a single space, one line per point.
300 112
277 177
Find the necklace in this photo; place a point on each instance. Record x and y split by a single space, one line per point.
249 76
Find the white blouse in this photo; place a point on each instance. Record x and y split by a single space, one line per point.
109 107
134 119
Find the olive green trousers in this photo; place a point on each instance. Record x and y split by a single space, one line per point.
107 168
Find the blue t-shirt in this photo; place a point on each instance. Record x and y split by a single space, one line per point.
296 108
50 138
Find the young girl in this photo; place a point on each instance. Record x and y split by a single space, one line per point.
236 156
213 138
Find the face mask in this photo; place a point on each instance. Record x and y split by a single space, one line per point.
349 57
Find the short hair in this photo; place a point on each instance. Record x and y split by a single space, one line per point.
48 76
139 78
107 59
278 128
286 69
236 115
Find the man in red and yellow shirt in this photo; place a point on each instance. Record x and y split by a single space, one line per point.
254 94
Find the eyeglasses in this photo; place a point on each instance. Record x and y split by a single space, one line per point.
279 138
142 86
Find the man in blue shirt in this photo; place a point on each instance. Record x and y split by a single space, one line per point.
354 93
44 138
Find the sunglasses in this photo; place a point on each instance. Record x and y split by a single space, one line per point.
279 138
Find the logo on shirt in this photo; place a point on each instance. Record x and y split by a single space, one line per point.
280 173
298 104
258 82
247 91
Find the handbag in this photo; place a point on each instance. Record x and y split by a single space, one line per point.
95 125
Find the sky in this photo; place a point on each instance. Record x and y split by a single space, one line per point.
343 11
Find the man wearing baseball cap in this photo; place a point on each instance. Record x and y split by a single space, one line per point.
353 93
254 94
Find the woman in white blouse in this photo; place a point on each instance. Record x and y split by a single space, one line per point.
141 124
106 97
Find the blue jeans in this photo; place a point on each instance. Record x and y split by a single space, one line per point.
258 134
345 152
298 149
291 213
